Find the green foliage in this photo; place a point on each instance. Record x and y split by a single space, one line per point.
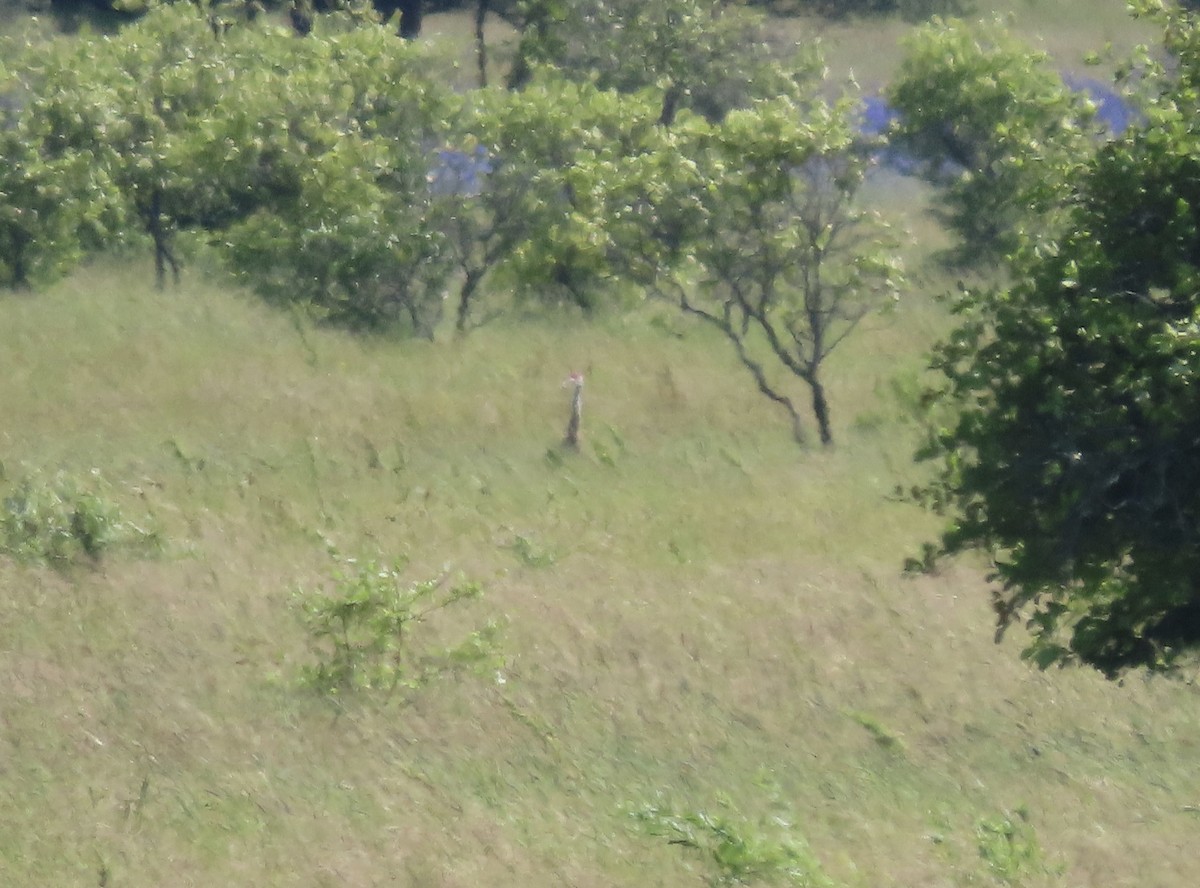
369 631
153 127
994 126
313 163
738 851
55 200
134 104
307 161
43 203
707 57
545 217
1070 453
360 238
1008 844
62 519
760 212
530 554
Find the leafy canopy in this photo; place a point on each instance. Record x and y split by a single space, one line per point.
992 124
704 56
1072 454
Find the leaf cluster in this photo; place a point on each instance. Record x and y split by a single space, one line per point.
371 632
706 57
994 126
737 851
1072 454
63 519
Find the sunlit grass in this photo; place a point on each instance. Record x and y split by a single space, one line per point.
868 51
723 616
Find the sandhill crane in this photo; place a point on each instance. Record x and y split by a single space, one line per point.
575 382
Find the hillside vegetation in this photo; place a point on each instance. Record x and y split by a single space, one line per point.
699 617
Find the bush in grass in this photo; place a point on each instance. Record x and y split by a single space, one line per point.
63 518
1009 846
365 630
737 851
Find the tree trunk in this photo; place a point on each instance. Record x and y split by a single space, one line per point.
466 296
481 11
534 29
670 105
410 19
18 273
163 256
726 325
820 409
301 14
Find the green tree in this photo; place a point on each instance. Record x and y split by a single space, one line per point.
759 235
987 117
56 200
1071 455
352 118
709 57
157 119
52 205
547 213
153 91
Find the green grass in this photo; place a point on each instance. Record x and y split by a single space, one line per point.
870 50
722 618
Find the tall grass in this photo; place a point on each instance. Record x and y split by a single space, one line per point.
723 621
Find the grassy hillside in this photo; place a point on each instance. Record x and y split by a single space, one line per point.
699 616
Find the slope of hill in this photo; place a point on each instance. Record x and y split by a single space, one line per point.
699 615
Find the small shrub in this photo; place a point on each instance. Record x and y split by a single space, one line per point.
1009 846
738 851
878 731
365 632
530 554
60 519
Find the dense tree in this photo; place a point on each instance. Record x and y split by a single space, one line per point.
709 57
158 95
156 114
333 173
986 117
354 118
55 202
1071 454
307 161
543 198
